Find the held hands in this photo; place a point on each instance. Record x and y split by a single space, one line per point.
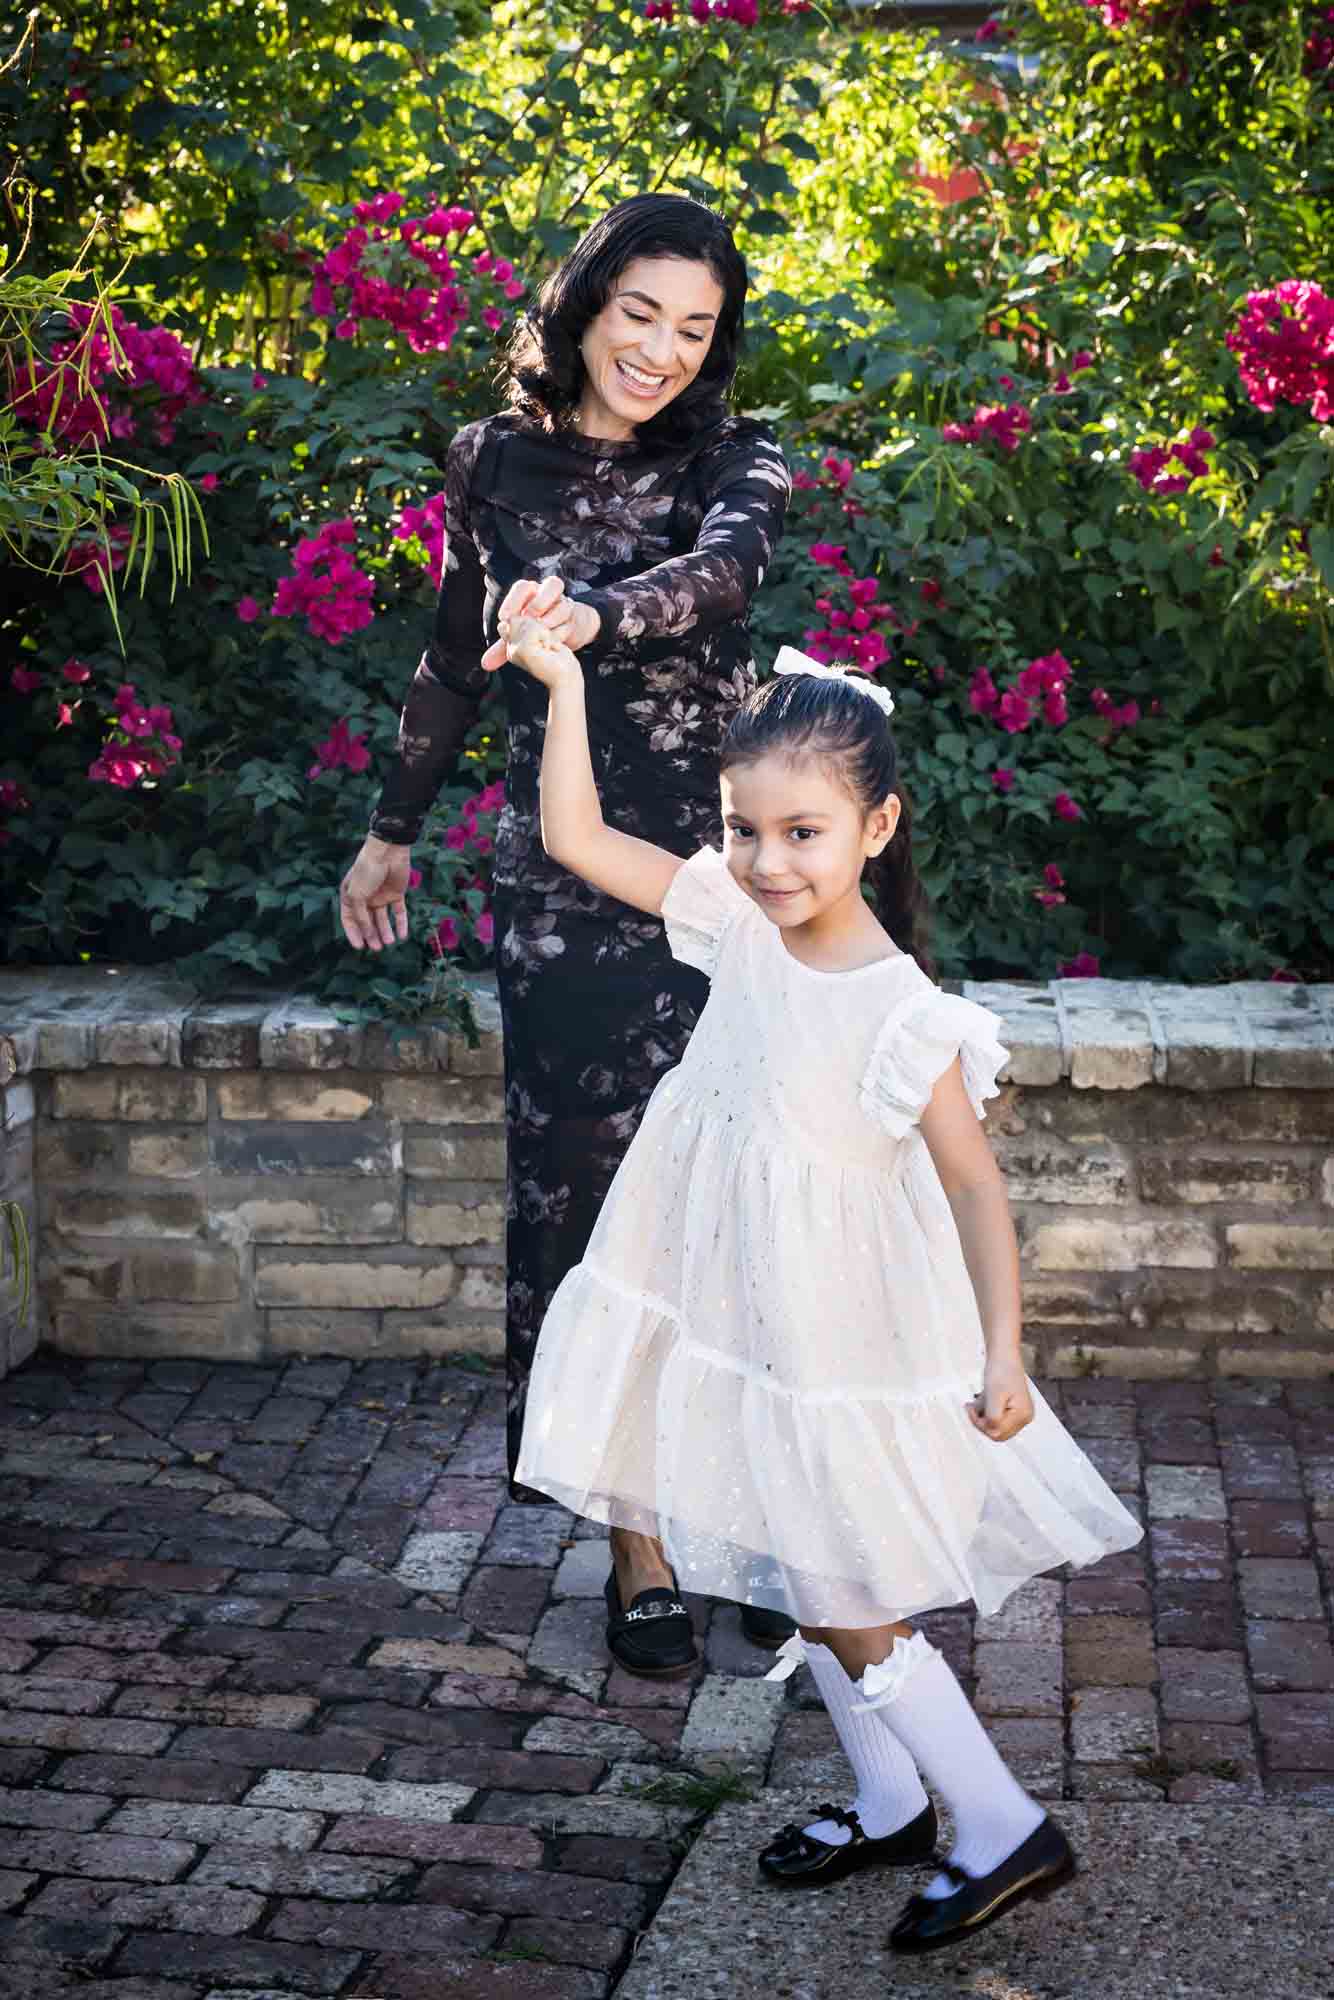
533 646
374 891
565 618
1006 1403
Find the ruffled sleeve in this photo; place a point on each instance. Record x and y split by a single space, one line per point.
916 1046
698 909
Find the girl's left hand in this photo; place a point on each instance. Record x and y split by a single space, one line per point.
1006 1400
573 623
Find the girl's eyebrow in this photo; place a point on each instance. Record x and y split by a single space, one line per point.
788 819
644 298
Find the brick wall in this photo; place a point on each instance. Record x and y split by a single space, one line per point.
253 1179
18 1332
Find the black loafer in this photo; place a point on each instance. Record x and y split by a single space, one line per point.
766 1628
654 1637
1038 1867
798 1862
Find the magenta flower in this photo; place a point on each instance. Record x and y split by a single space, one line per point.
1064 807
340 751
326 587
13 798
1082 966
983 694
446 936
247 610
117 767
24 681
1003 778
75 670
1014 712
486 928
1052 876
209 482
1284 343
493 318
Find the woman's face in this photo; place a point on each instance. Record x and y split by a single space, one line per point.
647 344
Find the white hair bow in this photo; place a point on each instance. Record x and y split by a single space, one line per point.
790 661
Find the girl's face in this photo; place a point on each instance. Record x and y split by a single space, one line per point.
797 841
647 344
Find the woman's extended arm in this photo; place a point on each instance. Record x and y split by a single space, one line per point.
441 706
976 1195
573 829
745 494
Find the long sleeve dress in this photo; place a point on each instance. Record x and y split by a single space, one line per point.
668 544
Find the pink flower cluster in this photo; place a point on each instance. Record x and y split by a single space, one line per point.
1082 966
1053 889
835 476
850 634
1150 462
1318 55
1284 343
1004 423
1117 718
154 360
405 273
326 587
1062 385
140 743
90 559
472 834
426 524
341 750
1042 683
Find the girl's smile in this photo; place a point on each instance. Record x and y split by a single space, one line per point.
797 841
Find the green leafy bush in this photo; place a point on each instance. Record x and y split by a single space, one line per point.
983 401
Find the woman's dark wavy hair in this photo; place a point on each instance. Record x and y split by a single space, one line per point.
802 715
544 369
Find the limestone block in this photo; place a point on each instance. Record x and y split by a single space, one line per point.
1176 1177
1037 1169
732 1724
166 1155
1309 1364
265 1211
1110 1048
1293 1049
129 1212
352 1333
1091 1245
443 1100
455 1332
393 1278
466 1155
472 1215
290 1150
143 1097
1135 1363
225 1034
1278 1246
73 1151
298 1034
160 1332
190 1272
311 1099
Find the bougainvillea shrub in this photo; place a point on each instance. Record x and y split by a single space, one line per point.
1061 455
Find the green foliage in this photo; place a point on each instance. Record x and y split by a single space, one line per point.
1123 202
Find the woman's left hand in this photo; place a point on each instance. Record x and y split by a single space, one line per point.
1006 1401
573 623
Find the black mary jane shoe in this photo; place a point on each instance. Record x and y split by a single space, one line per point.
769 1629
795 1860
654 1637
1038 1867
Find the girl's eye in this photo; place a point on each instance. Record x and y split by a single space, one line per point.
740 832
804 832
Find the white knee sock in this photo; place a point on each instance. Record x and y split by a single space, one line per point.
889 1791
929 1713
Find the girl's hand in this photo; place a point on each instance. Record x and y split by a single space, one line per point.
573 623
1007 1403
532 646
373 890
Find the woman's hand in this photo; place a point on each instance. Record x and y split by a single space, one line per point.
1007 1402
373 891
573 623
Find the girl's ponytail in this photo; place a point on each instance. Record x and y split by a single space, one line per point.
900 900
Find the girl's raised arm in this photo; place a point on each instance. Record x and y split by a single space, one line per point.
573 829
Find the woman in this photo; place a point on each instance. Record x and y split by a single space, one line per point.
620 502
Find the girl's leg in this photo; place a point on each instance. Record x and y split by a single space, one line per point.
921 1703
889 1790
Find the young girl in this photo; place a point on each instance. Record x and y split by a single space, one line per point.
792 1350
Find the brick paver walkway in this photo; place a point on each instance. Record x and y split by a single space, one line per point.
295 1704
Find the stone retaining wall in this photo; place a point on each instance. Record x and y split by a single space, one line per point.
254 1179
18 1331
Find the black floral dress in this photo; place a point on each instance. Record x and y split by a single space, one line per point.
668 543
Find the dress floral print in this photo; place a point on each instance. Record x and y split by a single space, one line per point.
668 544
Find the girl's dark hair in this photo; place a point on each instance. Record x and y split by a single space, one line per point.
804 715
544 368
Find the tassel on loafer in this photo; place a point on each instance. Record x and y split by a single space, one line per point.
654 1637
797 1861
1038 1867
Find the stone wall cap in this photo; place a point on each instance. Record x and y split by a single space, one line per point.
1110 1034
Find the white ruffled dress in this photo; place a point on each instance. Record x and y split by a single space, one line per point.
766 1353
